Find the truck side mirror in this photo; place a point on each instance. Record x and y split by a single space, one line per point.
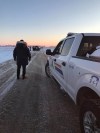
48 52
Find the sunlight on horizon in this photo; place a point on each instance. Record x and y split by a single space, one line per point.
45 22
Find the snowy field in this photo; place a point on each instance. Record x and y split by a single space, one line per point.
6 53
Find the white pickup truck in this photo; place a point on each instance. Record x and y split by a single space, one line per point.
76 67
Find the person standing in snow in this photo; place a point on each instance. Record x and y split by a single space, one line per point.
21 55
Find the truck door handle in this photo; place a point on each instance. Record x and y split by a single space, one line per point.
64 63
55 60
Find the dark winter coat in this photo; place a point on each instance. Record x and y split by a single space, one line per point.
21 54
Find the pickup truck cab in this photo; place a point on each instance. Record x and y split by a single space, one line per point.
79 75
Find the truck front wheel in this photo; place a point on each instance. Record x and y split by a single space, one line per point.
90 117
47 70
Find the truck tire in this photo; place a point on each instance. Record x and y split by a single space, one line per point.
47 70
90 116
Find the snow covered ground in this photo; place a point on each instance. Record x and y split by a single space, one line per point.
6 53
7 70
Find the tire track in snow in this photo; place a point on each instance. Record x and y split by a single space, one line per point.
7 86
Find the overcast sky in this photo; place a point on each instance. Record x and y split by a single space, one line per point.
46 22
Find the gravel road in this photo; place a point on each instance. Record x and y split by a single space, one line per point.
36 104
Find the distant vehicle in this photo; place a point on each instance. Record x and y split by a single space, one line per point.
36 48
79 75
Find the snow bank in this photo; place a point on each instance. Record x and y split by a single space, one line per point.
6 53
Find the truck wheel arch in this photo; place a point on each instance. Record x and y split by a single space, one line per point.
85 93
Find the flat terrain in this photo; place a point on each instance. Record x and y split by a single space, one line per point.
36 104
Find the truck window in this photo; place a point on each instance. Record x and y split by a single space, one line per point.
88 45
67 45
57 50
